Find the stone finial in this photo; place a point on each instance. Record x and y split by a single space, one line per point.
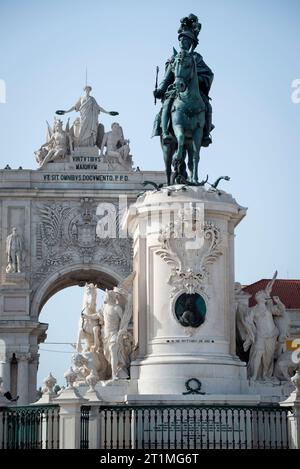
49 384
70 377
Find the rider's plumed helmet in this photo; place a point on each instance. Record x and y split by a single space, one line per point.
190 27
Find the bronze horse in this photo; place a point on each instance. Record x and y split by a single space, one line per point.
187 122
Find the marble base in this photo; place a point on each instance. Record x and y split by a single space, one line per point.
168 375
14 278
193 399
93 396
58 167
168 390
70 395
85 151
46 399
271 392
109 391
88 162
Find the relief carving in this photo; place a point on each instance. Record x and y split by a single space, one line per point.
188 257
68 234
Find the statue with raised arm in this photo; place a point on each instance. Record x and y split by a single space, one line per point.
89 111
262 336
117 148
14 251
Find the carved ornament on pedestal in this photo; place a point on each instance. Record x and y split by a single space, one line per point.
189 257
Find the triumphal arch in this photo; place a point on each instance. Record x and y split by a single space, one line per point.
60 226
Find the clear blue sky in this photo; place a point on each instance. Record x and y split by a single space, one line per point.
253 49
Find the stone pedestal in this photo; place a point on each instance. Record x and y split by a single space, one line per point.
17 278
197 263
293 402
70 402
86 151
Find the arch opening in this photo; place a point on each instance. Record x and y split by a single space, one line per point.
65 278
65 309
62 314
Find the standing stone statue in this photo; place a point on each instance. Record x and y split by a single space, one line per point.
262 332
14 251
89 110
117 339
90 334
90 330
262 335
184 122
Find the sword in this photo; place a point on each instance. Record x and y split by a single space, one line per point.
156 83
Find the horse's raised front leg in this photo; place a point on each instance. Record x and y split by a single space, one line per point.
197 139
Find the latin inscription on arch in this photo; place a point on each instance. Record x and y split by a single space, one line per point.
86 177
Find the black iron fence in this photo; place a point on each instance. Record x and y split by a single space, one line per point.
152 427
193 427
29 427
84 427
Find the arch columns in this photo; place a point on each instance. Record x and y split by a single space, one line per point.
19 358
23 377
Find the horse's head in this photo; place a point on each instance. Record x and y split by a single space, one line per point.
90 295
184 69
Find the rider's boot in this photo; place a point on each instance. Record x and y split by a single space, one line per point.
209 126
165 121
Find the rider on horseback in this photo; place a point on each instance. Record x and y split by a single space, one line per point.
188 39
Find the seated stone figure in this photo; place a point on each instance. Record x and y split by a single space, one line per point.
117 148
57 145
